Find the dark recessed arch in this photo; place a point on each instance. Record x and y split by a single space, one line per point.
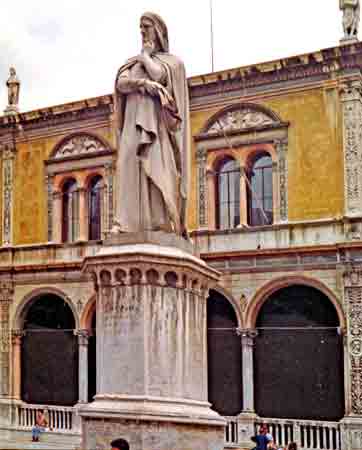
49 353
299 356
224 356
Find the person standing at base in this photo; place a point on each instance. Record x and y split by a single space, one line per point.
261 439
119 444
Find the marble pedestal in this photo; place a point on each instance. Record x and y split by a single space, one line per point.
151 347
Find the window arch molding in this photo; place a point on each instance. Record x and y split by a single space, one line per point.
82 156
80 144
250 128
241 116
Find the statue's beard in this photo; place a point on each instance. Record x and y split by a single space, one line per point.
150 43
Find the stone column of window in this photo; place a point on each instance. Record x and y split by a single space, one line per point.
282 170
243 196
16 351
6 296
83 215
8 157
107 215
353 305
247 345
211 200
57 216
83 337
201 157
352 145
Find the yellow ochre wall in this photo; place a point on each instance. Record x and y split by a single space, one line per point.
315 163
30 195
315 152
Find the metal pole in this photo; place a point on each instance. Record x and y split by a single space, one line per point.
212 37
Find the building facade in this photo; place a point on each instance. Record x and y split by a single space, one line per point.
275 206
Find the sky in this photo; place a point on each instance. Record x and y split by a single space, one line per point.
67 50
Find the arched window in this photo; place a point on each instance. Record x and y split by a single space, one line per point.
260 190
95 208
70 211
228 195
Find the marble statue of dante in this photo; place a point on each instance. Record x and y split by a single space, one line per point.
13 85
153 129
351 17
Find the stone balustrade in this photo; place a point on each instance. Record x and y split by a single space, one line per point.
61 418
308 434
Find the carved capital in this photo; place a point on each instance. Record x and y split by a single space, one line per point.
16 336
350 91
8 151
201 155
6 291
352 276
83 336
247 336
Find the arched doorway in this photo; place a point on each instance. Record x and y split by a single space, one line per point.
299 356
224 357
49 353
92 360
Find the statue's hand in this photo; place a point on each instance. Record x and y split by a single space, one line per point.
151 87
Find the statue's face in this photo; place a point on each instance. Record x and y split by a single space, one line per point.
12 71
148 31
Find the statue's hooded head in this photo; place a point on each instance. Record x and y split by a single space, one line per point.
161 29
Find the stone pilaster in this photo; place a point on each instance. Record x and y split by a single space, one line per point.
352 146
8 157
282 152
16 337
353 306
49 179
83 337
6 297
202 203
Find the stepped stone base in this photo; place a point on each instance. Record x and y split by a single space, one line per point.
21 440
151 435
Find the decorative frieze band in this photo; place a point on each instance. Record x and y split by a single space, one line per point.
6 297
49 180
8 156
201 157
353 298
352 143
282 150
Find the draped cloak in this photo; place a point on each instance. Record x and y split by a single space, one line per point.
153 147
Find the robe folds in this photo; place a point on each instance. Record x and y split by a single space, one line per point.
153 146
